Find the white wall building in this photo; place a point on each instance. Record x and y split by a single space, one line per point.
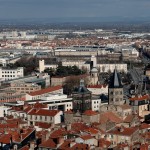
3 110
49 90
81 64
11 73
58 101
98 89
96 103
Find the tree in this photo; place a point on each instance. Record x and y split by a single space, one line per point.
72 82
50 71
29 63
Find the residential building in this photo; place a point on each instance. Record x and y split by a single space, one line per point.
44 115
11 73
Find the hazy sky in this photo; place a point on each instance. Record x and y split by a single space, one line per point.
15 9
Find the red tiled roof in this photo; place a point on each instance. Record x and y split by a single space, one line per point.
103 143
144 97
39 105
129 118
5 138
43 112
124 131
77 127
125 106
144 146
86 137
65 145
46 90
58 133
144 126
48 144
92 130
109 116
43 125
90 113
80 146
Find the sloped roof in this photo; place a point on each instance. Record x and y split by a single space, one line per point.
86 137
90 113
104 117
46 90
48 144
58 133
139 98
124 131
43 112
115 81
129 118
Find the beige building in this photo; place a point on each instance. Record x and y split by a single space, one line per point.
44 115
22 87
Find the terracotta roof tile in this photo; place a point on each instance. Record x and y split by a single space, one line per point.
65 145
104 117
124 131
86 137
144 97
90 113
48 144
77 127
44 112
46 90
144 126
129 118
5 138
144 146
104 143
80 146
125 106
58 133
43 125
92 130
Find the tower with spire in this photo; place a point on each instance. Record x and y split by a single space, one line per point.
94 71
115 89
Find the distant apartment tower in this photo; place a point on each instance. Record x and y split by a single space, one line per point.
11 73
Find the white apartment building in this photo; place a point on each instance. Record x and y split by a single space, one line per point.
96 103
11 73
58 102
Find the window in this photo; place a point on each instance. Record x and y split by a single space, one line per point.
45 118
40 117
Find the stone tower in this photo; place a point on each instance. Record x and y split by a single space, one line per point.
115 90
81 98
94 76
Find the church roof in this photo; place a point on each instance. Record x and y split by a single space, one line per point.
115 81
81 89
